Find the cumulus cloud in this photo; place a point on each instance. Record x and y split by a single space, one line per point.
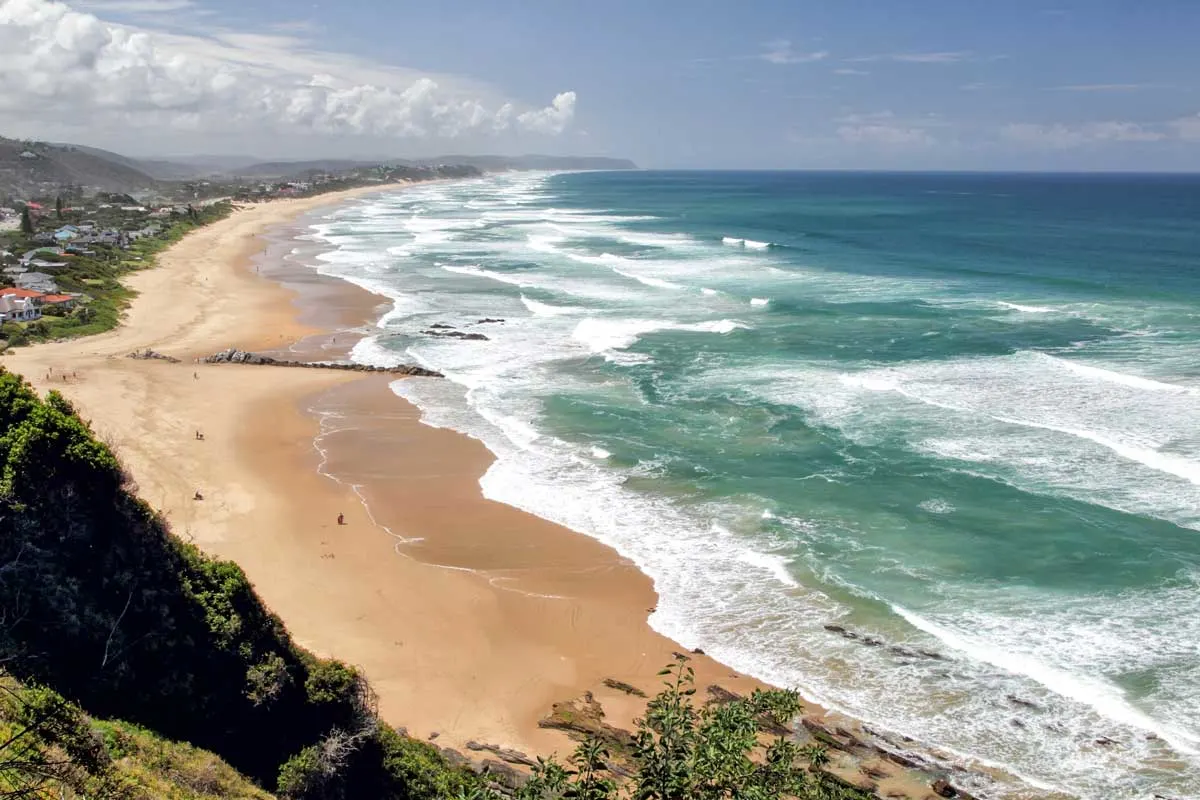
1066 136
551 119
61 64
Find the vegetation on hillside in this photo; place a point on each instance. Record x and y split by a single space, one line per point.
101 603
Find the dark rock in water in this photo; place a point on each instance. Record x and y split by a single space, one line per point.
697 651
1105 741
487 320
871 641
902 760
943 789
442 326
478 337
1018 701
838 629
931 654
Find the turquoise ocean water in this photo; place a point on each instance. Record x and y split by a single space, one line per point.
957 414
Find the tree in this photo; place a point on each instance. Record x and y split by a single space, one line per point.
26 222
58 206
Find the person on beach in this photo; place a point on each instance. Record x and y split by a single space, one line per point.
341 519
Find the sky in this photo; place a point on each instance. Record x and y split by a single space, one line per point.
756 84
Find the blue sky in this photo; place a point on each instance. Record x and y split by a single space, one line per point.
895 84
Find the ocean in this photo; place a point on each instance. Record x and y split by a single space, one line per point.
953 417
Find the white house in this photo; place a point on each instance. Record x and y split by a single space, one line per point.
14 308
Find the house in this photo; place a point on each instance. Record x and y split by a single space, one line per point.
58 300
45 237
36 282
66 233
41 263
28 154
17 305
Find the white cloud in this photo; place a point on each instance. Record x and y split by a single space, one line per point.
849 71
134 6
889 135
61 65
888 129
553 118
1187 128
943 57
1067 136
780 51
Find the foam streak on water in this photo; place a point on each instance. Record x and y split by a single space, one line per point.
960 418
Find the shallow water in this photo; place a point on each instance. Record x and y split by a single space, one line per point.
955 413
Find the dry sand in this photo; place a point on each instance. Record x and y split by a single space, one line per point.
472 632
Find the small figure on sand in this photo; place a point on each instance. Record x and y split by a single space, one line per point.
199 436
197 495
341 519
195 376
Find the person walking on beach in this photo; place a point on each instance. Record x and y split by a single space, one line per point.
341 519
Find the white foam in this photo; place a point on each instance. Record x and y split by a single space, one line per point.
936 505
657 283
705 290
1026 309
1134 381
547 310
732 241
1106 699
759 301
753 245
484 273
599 335
601 453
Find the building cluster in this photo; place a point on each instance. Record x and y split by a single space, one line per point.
26 305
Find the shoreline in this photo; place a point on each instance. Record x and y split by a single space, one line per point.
450 646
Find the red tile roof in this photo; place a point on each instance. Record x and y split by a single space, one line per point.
10 291
57 298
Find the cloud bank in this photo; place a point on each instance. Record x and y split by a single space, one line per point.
61 65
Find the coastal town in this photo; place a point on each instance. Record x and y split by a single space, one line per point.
64 249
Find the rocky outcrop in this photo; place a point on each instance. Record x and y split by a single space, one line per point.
235 356
872 641
452 334
148 355
621 686
584 718
503 753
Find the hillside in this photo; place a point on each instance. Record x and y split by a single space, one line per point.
38 169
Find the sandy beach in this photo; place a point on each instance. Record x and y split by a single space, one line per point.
470 618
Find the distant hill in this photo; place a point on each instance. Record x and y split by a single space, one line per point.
288 169
30 168
39 168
